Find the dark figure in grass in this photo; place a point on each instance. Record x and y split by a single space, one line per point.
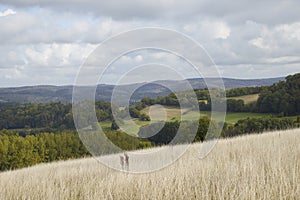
124 161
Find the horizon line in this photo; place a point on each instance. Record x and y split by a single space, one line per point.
108 84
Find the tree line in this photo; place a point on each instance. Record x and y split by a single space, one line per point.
259 125
170 129
236 92
50 117
244 126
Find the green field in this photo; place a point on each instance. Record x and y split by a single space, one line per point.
174 113
105 125
232 118
126 127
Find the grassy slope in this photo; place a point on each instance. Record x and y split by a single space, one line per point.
263 166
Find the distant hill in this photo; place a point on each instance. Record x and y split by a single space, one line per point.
48 93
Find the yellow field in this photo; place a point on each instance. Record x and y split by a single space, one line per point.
263 166
247 98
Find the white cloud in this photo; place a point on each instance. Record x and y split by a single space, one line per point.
282 60
289 31
261 43
211 29
138 58
7 12
282 40
57 55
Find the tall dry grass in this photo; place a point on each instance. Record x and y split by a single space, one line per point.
263 166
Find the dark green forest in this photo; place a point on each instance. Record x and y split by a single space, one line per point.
51 117
283 97
255 125
236 92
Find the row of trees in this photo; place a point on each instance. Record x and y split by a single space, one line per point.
182 130
170 130
259 125
187 98
236 92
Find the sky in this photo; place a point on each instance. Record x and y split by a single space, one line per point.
46 42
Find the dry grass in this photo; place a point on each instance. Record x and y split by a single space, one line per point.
263 166
247 98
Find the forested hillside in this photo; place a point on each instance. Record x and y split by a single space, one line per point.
46 117
282 97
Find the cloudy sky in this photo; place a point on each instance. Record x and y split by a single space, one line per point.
46 42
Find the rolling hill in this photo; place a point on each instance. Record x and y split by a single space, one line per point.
47 93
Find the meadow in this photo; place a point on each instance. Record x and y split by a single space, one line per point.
174 113
264 166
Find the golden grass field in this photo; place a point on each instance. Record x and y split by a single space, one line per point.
247 98
265 166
